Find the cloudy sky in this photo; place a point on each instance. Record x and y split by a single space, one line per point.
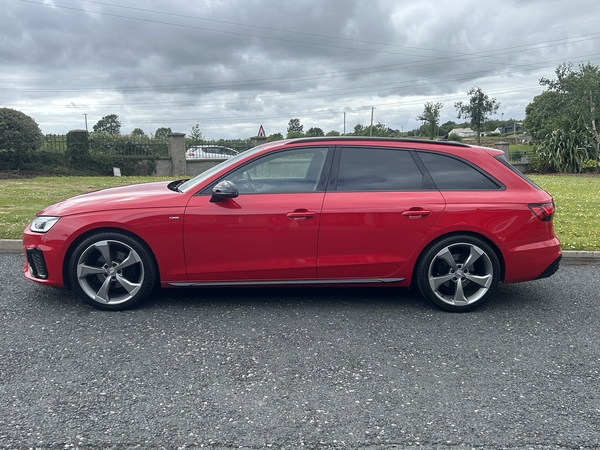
233 65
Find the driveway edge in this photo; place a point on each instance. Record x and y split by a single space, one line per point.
11 246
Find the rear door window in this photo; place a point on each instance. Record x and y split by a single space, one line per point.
378 169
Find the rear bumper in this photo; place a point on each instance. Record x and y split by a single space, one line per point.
551 270
532 261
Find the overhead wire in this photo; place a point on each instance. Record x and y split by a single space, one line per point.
248 84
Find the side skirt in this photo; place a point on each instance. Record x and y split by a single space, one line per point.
287 282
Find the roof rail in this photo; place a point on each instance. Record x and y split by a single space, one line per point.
381 139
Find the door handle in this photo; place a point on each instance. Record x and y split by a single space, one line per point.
301 214
416 213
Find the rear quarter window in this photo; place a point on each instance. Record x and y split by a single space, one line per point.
450 173
503 160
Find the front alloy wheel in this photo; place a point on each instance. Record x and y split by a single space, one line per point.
458 273
112 271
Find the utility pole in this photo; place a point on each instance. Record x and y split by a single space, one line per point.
85 115
371 129
344 124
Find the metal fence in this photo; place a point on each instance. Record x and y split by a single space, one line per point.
106 144
124 145
55 143
521 156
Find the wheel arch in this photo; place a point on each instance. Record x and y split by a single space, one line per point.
484 238
73 245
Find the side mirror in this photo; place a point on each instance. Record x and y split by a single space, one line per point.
224 189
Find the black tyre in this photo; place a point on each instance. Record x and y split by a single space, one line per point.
458 273
112 271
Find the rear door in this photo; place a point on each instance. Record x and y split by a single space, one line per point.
379 205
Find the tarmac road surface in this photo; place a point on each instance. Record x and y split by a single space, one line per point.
301 368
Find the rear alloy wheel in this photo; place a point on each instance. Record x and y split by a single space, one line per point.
458 273
112 271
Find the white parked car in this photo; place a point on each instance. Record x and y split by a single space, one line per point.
210 152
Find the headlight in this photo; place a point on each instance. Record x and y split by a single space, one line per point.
41 224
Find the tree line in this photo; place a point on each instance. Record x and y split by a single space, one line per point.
564 122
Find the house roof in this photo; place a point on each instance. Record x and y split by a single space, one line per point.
462 131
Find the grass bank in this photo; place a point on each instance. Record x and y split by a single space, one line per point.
22 198
577 220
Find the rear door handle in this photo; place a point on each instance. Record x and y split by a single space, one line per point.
301 214
416 213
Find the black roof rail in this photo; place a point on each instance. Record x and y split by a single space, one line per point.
381 139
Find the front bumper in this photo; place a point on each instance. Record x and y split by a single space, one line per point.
43 259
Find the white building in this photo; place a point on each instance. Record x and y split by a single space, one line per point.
463 132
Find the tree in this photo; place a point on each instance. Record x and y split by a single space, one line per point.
431 116
108 124
477 110
315 132
196 135
295 129
19 134
545 114
333 133
378 129
275 137
138 133
580 94
162 133
447 127
359 130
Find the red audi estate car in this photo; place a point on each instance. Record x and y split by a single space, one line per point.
449 219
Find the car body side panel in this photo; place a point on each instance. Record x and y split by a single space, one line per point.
160 228
365 234
251 237
503 218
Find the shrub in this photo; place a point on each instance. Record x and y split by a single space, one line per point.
563 151
78 148
19 135
590 166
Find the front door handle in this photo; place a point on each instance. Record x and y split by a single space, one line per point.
301 214
416 213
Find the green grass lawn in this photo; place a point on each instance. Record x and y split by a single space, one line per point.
577 220
577 200
21 199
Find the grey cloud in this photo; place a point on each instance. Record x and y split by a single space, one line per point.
233 65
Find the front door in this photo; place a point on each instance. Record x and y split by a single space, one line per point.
269 232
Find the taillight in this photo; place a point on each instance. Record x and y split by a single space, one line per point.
543 211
